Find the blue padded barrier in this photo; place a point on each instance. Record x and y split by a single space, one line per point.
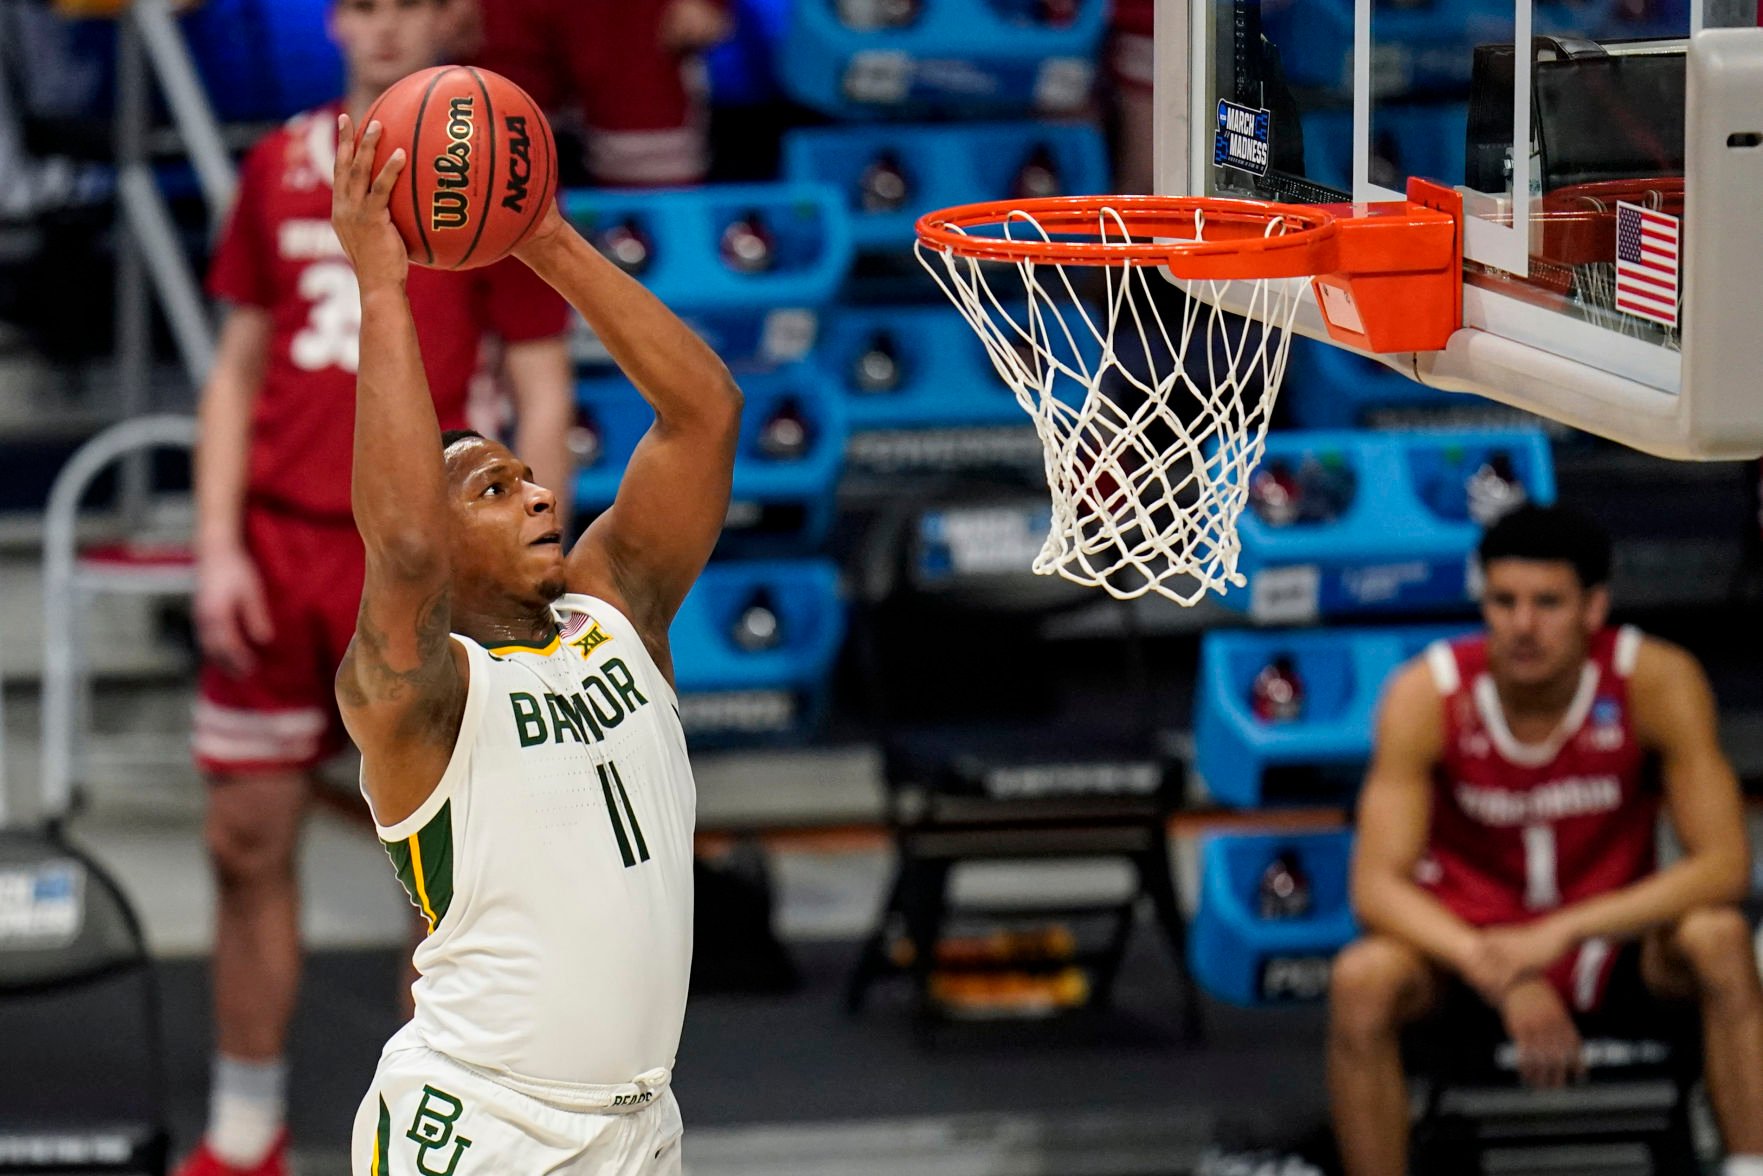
943 165
1239 758
961 57
1239 957
728 693
751 318
779 505
1403 542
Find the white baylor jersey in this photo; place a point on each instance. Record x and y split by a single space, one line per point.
554 861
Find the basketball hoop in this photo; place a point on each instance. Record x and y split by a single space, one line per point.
1152 425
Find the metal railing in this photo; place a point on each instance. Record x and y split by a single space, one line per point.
151 49
152 267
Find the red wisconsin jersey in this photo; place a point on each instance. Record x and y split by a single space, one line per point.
278 252
1519 829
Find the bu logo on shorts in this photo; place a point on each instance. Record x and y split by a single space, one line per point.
432 1131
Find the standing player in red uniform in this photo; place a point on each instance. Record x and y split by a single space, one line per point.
1506 837
280 562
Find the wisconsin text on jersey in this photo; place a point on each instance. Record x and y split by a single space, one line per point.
1575 796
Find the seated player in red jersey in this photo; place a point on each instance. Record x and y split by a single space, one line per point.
1505 843
280 564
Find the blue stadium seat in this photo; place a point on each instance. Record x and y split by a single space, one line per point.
764 318
729 694
959 57
1403 541
943 165
1245 762
780 505
1247 960
945 374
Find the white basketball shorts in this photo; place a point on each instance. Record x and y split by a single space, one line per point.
428 1115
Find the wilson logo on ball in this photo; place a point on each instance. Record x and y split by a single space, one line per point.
450 207
481 159
520 163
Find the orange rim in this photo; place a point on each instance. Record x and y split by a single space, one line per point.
1388 275
1244 238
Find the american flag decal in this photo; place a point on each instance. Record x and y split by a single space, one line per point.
1647 246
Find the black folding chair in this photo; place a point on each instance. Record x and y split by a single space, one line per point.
1631 1115
83 1084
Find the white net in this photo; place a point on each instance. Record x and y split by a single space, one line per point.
1152 405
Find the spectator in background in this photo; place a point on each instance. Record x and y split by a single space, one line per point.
626 68
280 564
1506 846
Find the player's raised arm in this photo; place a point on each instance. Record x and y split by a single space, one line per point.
644 553
400 688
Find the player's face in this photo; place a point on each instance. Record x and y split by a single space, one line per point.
1540 620
383 40
506 541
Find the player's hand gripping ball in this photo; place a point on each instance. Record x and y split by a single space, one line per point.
481 170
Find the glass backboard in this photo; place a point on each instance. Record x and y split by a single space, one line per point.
1610 263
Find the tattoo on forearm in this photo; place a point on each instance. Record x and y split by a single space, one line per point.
369 677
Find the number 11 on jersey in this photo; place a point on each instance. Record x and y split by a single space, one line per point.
609 781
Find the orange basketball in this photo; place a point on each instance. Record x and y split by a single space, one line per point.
482 164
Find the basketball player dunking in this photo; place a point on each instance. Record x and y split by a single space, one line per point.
521 745
1506 847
